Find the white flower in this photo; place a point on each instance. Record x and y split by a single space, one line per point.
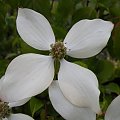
5 107
66 109
71 112
113 111
30 74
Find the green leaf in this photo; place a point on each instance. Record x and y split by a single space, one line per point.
84 13
64 8
105 70
35 105
115 9
107 3
63 12
92 63
3 12
25 48
93 3
81 64
41 6
13 3
43 114
112 88
60 32
3 66
112 5
116 41
117 71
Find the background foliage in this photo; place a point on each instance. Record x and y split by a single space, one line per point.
62 14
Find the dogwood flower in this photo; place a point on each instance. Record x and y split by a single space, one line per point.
5 107
32 73
113 111
71 112
65 108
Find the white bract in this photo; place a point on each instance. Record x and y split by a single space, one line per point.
66 109
5 106
31 74
71 112
113 111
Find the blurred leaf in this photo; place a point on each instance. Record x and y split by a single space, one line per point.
10 21
104 104
60 32
84 13
3 11
105 3
43 115
81 64
35 105
64 8
115 9
105 70
12 3
11 55
41 6
25 48
106 101
63 11
112 87
3 66
93 3
116 41
50 118
92 63
112 5
117 72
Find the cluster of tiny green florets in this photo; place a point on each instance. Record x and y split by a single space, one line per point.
4 110
58 50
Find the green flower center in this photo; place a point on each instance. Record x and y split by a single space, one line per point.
58 50
4 110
